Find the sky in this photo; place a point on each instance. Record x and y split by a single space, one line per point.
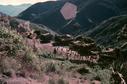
18 2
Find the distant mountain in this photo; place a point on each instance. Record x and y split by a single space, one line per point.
2 14
90 14
13 10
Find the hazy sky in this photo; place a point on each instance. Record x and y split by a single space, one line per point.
17 2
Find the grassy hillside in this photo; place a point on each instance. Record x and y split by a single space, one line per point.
19 60
25 62
29 52
109 32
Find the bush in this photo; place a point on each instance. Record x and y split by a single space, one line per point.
10 41
12 47
120 67
51 67
62 81
99 74
51 81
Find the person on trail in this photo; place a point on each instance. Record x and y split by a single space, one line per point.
54 52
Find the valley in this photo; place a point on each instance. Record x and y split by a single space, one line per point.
44 46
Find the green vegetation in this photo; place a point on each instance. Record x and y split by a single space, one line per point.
13 49
16 55
108 31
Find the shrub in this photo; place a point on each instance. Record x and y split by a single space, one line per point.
14 48
100 74
120 67
51 81
51 67
62 81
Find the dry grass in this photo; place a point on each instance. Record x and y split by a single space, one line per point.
17 56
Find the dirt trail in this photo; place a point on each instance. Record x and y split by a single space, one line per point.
62 51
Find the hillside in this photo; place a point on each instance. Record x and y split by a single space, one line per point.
41 46
13 10
111 32
29 55
90 13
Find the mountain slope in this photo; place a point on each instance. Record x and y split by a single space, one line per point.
90 13
22 63
13 10
109 32
23 59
